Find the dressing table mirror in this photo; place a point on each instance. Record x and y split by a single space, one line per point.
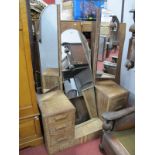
67 105
48 48
109 47
76 72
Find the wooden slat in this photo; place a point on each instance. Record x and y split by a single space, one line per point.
96 43
29 125
27 54
70 25
89 97
121 38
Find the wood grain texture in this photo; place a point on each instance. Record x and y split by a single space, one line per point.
54 103
58 116
50 79
29 125
59 48
29 132
84 132
89 96
121 38
70 25
96 42
110 96
26 91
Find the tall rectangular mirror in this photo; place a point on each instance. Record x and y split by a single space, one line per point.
76 71
48 48
111 35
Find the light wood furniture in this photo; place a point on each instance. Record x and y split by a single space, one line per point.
82 26
89 97
29 125
58 116
50 79
60 131
110 96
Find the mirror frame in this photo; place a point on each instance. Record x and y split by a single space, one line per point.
64 27
121 38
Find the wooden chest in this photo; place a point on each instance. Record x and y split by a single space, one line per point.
110 96
58 116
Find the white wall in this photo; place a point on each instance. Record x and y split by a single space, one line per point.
127 77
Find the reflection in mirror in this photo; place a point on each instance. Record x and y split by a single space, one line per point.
48 48
75 63
108 52
76 71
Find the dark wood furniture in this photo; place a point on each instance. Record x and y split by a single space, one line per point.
118 137
29 124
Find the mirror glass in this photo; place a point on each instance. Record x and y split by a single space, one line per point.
76 68
76 71
107 56
48 48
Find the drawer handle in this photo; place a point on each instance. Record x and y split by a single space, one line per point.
60 117
122 100
60 127
62 139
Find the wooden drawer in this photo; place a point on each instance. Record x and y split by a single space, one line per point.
118 103
70 25
110 96
61 136
60 127
29 130
61 118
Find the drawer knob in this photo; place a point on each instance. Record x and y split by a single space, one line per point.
60 127
61 139
36 118
60 117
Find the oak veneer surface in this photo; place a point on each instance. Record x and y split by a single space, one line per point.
29 125
89 97
54 102
110 88
58 116
110 96
50 79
